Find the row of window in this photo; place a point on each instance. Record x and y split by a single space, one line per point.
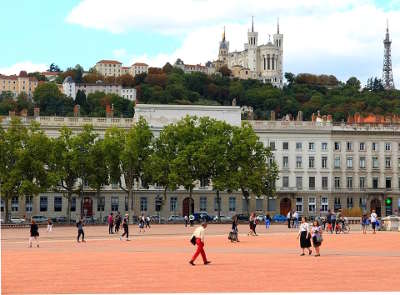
337 162
324 206
115 204
337 182
336 146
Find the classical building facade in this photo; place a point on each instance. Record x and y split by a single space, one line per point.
257 61
70 88
114 68
18 84
322 166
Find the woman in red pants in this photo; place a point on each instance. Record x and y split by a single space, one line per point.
199 235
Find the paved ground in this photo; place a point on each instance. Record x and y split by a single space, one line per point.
157 261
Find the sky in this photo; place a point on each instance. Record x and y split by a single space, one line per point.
338 37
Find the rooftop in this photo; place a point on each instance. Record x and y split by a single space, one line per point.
107 61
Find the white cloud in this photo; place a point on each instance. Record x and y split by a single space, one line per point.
27 66
342 37
119 53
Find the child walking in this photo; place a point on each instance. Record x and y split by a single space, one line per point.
49 225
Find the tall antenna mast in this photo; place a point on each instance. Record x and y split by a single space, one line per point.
387 73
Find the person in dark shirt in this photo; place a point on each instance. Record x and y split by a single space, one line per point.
118 220
34 234
125 228
79 225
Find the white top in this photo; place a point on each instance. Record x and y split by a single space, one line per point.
288 215
296 215
374 217
199 233
304 227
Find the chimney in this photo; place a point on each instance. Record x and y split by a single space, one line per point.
299 116
11 113
36 112
273 116
23 113
77 109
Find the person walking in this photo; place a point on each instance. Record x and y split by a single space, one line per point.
374 219
141 223
49 225
333 220
198 234
251 225
148 222
110 221
118 220
79 225
296 219
234 237
364 223
34 234
186 220
289 217
329 221
191 219
267 221
316 235
125 223
305 236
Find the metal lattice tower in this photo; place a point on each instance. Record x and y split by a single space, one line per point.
387 74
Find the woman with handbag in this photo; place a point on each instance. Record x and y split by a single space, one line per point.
305 236
316 235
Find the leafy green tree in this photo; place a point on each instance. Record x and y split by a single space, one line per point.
354 83
127 153
54 68
51 101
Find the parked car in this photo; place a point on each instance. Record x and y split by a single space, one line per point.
202 216
243 217
176 218
39 218
61 219
156 219
223 218
17 220
279 218
260 218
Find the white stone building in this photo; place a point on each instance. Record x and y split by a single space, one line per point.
257 61
322 166
70 88
138 68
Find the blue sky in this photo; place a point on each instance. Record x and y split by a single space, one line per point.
340 37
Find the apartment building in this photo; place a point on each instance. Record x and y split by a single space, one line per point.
322 166
18 84
109 68
138 68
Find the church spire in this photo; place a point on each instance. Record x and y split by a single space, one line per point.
277 27
252 23
223 35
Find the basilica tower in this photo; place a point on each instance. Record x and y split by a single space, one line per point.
252 38
223 50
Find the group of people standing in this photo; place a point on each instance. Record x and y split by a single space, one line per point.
308 234
293 219
114 224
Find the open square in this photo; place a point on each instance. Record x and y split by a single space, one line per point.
157 261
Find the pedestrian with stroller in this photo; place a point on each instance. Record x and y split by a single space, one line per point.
316 235
233 235
34 234
198 235
305 236
79 225
49 225
125 227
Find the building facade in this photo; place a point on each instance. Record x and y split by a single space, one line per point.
18 84
138 68
70 88
322 166
109 68
257 61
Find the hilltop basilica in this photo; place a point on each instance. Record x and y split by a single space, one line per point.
263 62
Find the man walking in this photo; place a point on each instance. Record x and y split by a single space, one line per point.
289 217
125 227
117 222
110 221
374 218
199 235
186 220
79 225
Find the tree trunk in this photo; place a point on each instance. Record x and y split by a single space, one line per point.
6 199
69 196
190 201
219 206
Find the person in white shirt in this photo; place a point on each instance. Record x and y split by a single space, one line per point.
289 217
373 217
199 235
296 219
305 236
